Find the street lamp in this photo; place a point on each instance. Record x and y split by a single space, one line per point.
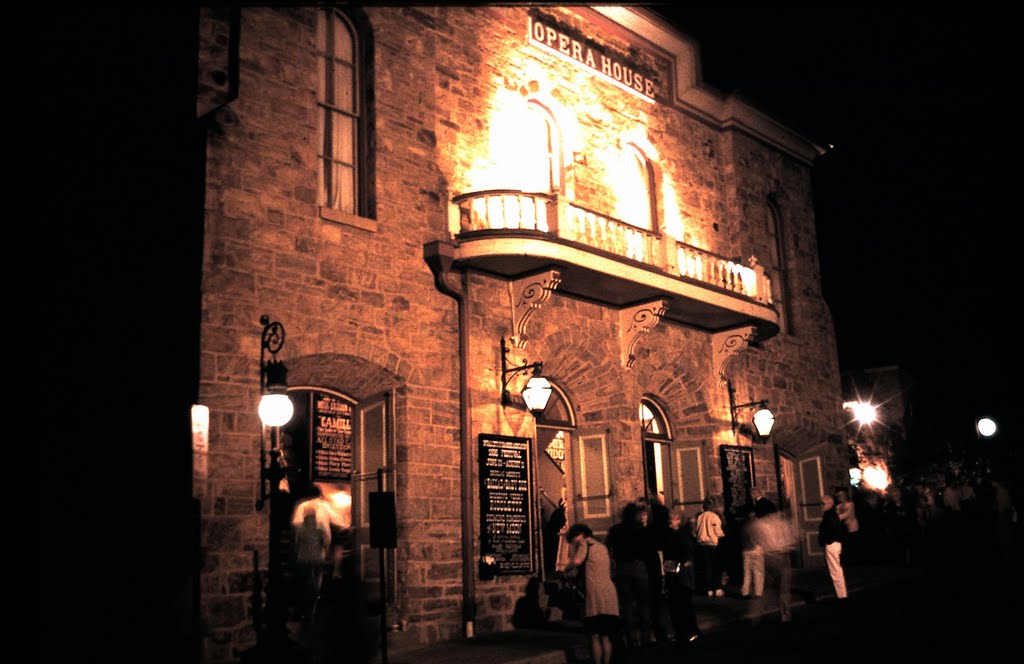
863 411
537 390
763 419
275 410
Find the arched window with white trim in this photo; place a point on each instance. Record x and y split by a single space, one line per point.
539 143
636 190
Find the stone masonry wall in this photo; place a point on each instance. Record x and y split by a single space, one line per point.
362 311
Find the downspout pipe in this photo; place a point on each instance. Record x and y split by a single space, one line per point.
439 256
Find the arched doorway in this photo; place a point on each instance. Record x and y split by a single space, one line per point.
555 427
657 452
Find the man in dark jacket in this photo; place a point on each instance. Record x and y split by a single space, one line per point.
830 534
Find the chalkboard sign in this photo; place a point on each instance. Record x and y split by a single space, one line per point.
737 479
506 501
332 438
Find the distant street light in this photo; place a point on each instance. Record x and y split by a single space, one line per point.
986 427
863 412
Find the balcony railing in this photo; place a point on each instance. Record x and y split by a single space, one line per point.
499 209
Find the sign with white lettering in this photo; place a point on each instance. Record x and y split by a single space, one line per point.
332 438
506 500
548 34
737 480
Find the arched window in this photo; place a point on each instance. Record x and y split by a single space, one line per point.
778 268
344 93
637 203
540 146
657 446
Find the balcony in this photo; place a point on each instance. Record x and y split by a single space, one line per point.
512 233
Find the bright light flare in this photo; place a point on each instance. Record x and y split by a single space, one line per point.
986 427
863 412
876 477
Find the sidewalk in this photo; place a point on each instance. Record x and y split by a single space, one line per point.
565 643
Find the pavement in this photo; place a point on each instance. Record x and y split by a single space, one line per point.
564 642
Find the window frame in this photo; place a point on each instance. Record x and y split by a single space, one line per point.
363 214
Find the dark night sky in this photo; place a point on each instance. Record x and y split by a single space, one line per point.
913 202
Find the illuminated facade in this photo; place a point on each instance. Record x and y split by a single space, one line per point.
410 189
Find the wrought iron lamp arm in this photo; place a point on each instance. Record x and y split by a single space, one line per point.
271 341
734 407
507 372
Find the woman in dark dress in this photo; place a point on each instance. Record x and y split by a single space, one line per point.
680 578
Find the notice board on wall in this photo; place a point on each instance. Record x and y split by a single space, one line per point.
332 438
737 479
506 505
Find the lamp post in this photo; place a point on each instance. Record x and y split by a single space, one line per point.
537 390
275 410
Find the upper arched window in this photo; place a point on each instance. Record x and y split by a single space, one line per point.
778 268
540 146
637 190
345 169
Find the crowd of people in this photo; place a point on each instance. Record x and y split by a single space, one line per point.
950 513
640 581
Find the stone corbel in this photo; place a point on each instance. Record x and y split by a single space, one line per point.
527 295
636 321
727 345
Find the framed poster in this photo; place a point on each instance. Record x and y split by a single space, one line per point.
506 505
332 438
737 480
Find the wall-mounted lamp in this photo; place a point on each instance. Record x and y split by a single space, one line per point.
275 407
537 390
763 418
275 411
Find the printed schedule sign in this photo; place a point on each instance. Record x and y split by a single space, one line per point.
506 516
737 479
332 438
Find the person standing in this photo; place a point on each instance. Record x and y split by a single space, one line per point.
680 577
830 536
601 602
632 547
708 530
762 505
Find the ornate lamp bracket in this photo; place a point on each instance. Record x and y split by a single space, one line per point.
528 294
727 345
636 321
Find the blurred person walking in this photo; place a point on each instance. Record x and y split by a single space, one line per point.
775 536
753 559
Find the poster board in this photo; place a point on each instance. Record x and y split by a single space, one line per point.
737 480
506 505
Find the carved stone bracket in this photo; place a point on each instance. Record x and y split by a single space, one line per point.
527 295
726 345
636 321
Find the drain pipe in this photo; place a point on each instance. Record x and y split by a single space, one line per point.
439 256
